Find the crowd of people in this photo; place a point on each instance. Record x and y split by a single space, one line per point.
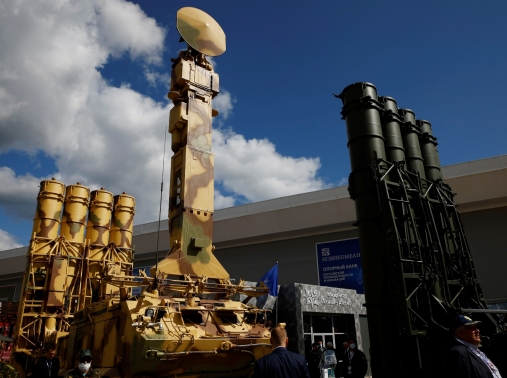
464 359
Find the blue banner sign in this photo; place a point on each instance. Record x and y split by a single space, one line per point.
339 264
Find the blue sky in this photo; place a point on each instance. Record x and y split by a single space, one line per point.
83 85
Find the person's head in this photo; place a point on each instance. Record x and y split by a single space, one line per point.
50 350
352 344
315 346
345 345
329 345
465 329
279 337
320 343
84 359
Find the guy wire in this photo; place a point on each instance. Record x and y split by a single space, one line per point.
160 206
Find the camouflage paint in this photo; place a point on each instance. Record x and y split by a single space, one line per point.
63 273
186 335
58 282
125 342
201 31
123 221
99 217
191 198
74 213
49 208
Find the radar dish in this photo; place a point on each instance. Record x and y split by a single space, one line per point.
200 31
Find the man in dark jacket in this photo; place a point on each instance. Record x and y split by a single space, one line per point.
84 367
49 365
354 362
280 363
465 360
314 360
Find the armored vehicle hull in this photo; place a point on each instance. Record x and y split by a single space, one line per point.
161 337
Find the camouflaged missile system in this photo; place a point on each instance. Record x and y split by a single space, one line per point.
78 284
78 292
65 270
157 336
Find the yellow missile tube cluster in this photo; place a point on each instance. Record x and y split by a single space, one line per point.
78 239
113 258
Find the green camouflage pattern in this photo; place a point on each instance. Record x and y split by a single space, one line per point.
155 336
123 221
49 209
74 213
65 273
99 217
191 198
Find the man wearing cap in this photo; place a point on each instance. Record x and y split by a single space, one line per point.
84 367
465 360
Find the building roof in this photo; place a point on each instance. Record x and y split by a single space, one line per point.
479 184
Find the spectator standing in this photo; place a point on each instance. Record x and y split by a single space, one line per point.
342 366
314 360
465 360
355 364
328 360
49 365
84 367
281 363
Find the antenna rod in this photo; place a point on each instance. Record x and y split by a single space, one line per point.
160 206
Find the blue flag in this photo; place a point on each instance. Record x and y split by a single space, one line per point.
270 279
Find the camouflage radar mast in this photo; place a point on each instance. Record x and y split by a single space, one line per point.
193 85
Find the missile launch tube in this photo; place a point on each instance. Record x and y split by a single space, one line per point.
99 217
364 129
49 209
391 121
410 132
74 213
365 140
429 151
123 221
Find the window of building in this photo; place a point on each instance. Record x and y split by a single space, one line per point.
333 328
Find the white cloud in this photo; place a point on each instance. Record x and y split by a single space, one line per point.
123 26
254 169
224 103
343 181
155 78
54 99
7 241
221 201
18 193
